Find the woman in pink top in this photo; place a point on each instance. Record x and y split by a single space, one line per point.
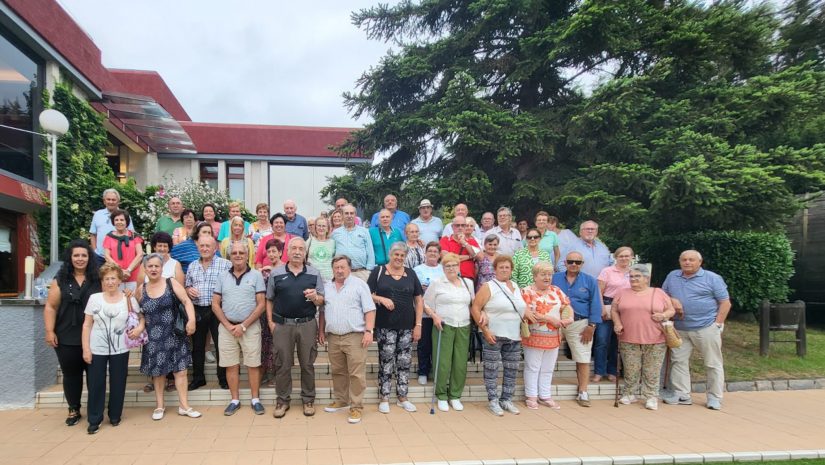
612 279
278 221
123 248
638 314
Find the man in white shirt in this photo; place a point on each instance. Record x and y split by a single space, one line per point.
509 239
102 223
429 226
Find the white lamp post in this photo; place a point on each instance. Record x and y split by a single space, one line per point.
55 125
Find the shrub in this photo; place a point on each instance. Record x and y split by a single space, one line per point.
755 265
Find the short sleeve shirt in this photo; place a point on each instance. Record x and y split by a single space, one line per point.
544 335
402 292
238 294
109 330
467 267
635 310
286 291
700 295
615 280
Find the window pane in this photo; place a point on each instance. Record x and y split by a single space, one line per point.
212 183
235 170
18 88
236 189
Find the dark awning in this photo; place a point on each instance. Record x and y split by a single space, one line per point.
146 121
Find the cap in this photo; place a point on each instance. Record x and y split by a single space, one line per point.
425 203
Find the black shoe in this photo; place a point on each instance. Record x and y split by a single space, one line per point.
115 422
74 417
92 429
224 385
196 384
231 409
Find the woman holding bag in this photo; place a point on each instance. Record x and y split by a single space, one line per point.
105 346
638 314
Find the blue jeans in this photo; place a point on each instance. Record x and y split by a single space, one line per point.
605 349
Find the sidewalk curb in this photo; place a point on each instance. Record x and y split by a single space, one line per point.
767 385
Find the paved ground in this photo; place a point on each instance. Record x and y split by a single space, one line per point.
754 422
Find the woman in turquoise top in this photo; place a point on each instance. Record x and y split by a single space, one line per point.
526 258
383 236
321 248
549 240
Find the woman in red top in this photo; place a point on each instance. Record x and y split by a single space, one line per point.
278 221
638 314
123 248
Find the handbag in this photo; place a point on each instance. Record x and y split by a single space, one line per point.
524 327
672 338
132 322
181 318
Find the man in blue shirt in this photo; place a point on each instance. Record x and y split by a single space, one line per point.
399 218
702 303
429 226
296 224
586 300
354 242
101 222
596 254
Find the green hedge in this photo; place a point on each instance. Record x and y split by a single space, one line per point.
755 265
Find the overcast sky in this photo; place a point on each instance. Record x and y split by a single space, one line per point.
253 61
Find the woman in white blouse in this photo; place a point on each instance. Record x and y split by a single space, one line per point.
447 301
104 346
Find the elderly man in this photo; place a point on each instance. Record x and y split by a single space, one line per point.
429 226
238 303
509 238
488 222
295 224
383 235
399 218
467 250
201 279
340 203
460 209
347 323
226 226
702 303
172 220
597 255
586 300
102 222
293 293
354 242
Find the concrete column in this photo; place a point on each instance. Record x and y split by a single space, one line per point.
27 364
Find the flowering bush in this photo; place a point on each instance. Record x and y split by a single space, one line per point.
193 195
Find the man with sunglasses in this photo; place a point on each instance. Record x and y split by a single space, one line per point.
583 291
466 248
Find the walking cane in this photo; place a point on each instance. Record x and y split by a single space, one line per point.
618 370
435 376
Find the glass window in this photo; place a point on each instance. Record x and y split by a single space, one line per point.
209 174
235 181
19 102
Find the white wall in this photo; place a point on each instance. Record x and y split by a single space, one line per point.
301 184
180 170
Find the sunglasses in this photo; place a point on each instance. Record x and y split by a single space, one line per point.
575 262
533 237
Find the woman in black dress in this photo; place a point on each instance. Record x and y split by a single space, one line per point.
63 316
166 351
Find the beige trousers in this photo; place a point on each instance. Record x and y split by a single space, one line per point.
348 366
708 342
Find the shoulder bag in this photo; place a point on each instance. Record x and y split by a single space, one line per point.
181 318
132 321
672 338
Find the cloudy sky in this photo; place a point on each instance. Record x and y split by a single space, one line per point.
256 61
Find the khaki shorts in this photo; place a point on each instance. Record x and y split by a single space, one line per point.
230 347
572 334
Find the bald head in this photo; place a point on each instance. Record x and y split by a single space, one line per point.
289 209
690 261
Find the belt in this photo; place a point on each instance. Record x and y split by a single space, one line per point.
291 321
577 317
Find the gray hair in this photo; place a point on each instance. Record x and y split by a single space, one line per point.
505 209
399 246
152 256
491 238
641 268
111 191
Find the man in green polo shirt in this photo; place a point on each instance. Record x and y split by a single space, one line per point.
169 222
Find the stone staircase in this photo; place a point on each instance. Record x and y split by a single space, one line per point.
564 385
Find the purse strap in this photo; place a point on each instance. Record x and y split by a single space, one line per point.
505 295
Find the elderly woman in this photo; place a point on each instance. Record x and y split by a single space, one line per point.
69 292
548 310
236 234
611 279
262 227
638 314
498 309
320 248
447 301
427 272
416 253
123 248
209 214
166 351
104 346
397 294
278 222
336 218
526 258
549 240
182 233
383 236
485 264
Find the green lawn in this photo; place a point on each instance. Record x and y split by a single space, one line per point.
743 363
784 462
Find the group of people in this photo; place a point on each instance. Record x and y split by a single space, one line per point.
284 283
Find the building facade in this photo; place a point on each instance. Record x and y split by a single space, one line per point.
152 138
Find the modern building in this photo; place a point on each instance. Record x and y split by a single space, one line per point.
152 137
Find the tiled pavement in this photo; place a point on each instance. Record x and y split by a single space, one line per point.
752 426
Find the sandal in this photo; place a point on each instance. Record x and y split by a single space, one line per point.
149 387
531 404
596 378
170 385
157 414
550 403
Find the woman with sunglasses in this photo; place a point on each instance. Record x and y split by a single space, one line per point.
527 257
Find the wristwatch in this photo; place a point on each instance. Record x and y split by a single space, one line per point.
368 331
591 325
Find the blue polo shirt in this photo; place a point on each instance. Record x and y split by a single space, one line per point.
596 255
700 295
429 231
583 295
298 227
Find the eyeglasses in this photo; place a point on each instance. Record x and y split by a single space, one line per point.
533 237
458 225
636 276
575 262
451 265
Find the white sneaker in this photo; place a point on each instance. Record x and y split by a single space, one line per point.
190 412
627 399
384 406
495 408
157 414
508 406
422 380
652 404
406 405
443 406
456 405
210 357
